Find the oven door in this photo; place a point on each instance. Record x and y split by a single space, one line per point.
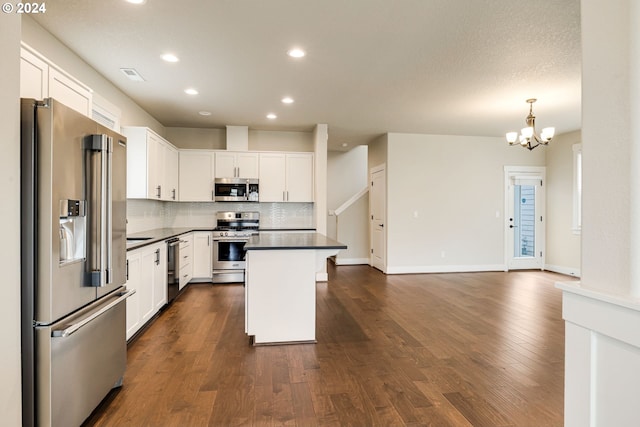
228 260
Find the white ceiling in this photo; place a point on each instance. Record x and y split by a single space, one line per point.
461 67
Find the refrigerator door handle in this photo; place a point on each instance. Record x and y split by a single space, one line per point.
99 187
70 330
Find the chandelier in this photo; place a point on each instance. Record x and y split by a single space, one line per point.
528 137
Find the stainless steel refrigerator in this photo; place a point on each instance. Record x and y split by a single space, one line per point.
73 255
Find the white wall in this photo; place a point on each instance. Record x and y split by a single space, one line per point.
259 140
445 201
602 313
10 386
347 174
562 244
197 138
606 126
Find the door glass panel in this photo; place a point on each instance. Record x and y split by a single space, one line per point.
524 221
231 251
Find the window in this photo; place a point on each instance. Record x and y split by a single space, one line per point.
577 188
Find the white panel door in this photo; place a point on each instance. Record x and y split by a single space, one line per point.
378 218
272 177
69 92
202 255
34 76
247 165
196 176
299 178
134 278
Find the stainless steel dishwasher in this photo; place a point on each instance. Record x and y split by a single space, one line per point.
173 268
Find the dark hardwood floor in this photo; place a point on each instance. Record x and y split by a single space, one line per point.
470 349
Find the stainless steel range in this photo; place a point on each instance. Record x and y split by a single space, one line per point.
233 230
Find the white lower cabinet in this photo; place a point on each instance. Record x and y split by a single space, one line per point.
147 274
202 255
186 260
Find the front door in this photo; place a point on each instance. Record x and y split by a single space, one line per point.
524 195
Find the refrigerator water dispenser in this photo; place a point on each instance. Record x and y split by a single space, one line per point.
72 230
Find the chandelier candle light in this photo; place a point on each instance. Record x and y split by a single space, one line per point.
528 137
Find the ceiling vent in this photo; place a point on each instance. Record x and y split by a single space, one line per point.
132 74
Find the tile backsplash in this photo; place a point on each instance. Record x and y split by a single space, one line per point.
143 215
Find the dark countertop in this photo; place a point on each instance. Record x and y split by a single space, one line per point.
281 241
155 236
161 234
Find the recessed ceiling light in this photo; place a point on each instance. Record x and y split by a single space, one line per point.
344 144
287 100
271 116
170 57
296 53
191 91
205 113
136 1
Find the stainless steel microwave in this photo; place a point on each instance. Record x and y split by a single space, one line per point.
236 190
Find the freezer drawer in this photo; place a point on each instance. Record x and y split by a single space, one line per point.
79 359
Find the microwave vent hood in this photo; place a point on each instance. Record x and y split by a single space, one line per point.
238 138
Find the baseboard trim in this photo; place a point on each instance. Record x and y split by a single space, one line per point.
350 261
417 269
575 272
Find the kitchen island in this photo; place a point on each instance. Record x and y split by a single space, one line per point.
280 291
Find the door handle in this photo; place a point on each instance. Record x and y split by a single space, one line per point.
99 149
70 330
513 226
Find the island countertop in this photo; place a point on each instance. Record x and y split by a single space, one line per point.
282 241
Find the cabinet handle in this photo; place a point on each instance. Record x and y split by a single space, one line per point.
173 194
157 256
213 195
126 270
159 188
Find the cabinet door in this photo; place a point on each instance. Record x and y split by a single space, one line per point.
272 177
225 165
160 279
170 173
186 257
69 92
202 255
145 289
196 176
299 177
247 165
134 280
34 76
155 163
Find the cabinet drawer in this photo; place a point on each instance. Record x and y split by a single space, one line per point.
186 274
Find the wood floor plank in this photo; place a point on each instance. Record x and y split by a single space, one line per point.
463 349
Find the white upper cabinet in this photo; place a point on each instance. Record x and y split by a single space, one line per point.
152 165
69 92
41 79
236 164
286 177
34 76
196 175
